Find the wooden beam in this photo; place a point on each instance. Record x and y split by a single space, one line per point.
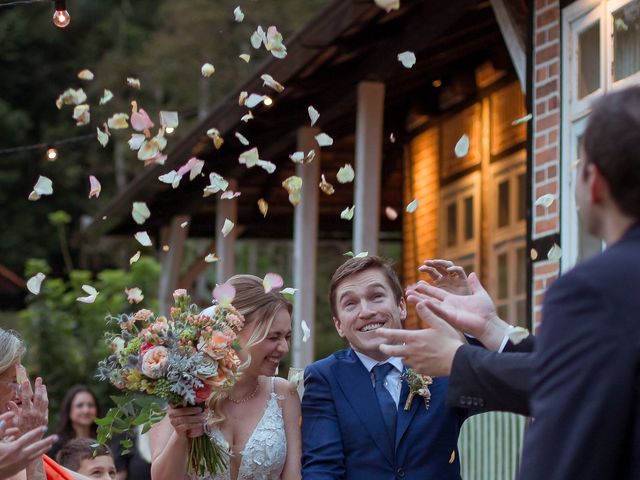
370 118
171 260
514 34
305 241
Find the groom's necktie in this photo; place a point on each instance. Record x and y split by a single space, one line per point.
387 404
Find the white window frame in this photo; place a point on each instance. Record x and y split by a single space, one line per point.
464 252
575 19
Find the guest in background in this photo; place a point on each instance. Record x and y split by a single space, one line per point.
84 456
78 412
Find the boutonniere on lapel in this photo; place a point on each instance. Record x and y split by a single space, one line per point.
418 385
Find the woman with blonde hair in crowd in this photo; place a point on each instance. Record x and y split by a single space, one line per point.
24 419
259 417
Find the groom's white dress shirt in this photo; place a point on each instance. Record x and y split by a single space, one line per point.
393 382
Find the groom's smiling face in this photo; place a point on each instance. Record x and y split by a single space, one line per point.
365 302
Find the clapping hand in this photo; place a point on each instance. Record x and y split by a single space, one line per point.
447 276
16 454
33 411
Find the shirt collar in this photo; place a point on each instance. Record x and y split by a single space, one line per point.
369 362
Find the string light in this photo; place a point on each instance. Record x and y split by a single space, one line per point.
268 101
169 130
52 154
61 17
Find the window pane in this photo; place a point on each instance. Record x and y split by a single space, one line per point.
626 40
452 225
521 271
521 314
589 60
503 204
503 276
522 196
468 218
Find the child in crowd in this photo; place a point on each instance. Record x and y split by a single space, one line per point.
83 456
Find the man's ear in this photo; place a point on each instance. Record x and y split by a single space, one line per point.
598 186
338 324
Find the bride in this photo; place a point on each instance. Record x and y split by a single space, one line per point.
259 418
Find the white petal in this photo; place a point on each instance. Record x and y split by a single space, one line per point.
211 258
253 100
143 239
34 283
263 206
136 141
313 115
214 134
391 213
140 212
297 157
229 195
247 116
89 289
94 187
249 158
216 184
172 178
268 166
413 206
246 57
81 114
242 139
408 59
242 98
238 16
107 95
310 156
324 140
272 281
347 213
288 291
346 174
134 258
270 82
524 119
103 138
169 119
184 224
258 38
133 83
85 74
361 255
134 295
227 227
546 200
388 5
517 334
462 146
207 70
306 331
555 253
118 121
44 186
87 299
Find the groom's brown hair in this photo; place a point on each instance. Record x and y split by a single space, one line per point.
357 265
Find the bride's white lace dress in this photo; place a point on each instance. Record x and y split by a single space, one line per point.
265 452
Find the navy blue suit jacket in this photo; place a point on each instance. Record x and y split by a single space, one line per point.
586 383
344 435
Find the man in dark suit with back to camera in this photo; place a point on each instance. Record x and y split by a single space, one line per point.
584 387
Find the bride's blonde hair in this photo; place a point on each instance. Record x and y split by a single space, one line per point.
259 308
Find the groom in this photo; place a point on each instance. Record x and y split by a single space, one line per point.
354 424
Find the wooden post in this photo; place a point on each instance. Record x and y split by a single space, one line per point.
174 237
226 246
369 125
305 242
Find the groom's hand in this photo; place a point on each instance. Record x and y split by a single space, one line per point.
430 351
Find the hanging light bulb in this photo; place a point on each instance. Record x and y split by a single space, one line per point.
61 17
268 101
169 130
52 154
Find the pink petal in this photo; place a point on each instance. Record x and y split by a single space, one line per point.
140 121
224 294
95 187
271 281
193 167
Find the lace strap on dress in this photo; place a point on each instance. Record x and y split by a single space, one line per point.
273 385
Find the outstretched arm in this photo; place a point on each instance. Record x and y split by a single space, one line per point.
323 457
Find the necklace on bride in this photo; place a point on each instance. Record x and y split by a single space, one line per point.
247 398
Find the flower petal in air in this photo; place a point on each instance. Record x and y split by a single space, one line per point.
288 291
229 195
249 158
242 139
242 98
314 115
103 138
258 38
391 213
92 294
169 119
253 100
326 187
347 213
306 331
517 334
140 212
297 157
462 146
270 82
171 178
274 43
133 83
413 206
193 167
94 187
324 140
143 239
388 5
211 258
71 97
238 15
524 119
346 174
555 253
247 116
140 120
272 281
134 295
214 134
43 186
216 184
263 206
136 141
227 227
107 95
118 121
546 200
134 258
86 75
408 59
270 167
245 56
224 294
207 70
34 283
82 115
293 185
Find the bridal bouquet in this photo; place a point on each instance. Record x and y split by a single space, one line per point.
181 360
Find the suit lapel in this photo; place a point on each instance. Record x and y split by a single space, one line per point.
355 382
405 417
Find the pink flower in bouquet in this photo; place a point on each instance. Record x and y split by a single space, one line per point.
154 362
160 326
145 347
203 393
235 321
179 293
174 311
214 346
142 315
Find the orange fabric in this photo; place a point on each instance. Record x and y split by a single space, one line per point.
54 471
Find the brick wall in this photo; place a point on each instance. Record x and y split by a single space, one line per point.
546 139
